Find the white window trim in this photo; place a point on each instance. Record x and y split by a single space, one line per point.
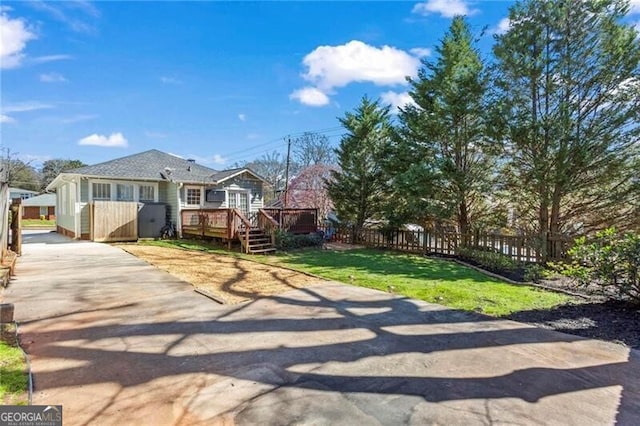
186 189
136 188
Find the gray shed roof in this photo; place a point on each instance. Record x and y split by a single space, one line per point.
149 165
40 200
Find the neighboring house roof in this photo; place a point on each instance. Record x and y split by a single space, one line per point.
40 200
153 165
22 190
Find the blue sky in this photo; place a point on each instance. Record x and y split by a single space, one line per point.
220 82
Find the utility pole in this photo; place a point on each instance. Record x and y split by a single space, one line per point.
286 173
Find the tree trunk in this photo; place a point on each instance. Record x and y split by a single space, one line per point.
463 218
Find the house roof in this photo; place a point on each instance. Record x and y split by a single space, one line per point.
228 174
40 200
152 165
149 165
22 190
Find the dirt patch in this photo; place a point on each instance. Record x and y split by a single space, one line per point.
227 278
334 245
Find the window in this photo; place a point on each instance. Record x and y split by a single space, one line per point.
124 192
44 211
146 193
193 196
239 200
101 191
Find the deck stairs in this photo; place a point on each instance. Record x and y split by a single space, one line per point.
258 242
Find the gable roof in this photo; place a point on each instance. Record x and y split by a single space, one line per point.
149 165
230 173
40 200
153 165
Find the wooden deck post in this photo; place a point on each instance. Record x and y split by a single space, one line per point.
16 226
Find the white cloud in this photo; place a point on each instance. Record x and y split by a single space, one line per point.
78 118
634 7
446 8
397 100
310 96
502 27
219 159
49 58
6 119
25 106
114 140
337 66
420 52
52 77
65 12
242 117
170 80
14 35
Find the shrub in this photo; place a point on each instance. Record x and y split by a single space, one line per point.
535 272
287 241
488 259
609 260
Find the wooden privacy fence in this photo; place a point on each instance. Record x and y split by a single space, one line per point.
295 221
523 248
114 221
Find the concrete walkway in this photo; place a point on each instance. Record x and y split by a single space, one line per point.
116 341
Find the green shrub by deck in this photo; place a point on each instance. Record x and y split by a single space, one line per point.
287 241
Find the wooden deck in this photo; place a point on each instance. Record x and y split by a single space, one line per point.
256 233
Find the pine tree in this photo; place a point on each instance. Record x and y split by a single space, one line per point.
441 139
567 77
357 189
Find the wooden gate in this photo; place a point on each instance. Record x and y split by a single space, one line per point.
114 221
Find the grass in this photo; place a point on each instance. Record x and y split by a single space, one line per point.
13 371
432 280
38 222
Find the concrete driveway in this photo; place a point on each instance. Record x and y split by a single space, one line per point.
116 341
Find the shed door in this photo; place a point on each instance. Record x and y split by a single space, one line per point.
239 200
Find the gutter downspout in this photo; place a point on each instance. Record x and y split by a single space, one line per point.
179 210
77 210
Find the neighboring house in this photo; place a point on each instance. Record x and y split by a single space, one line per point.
151 177
43 205
21 193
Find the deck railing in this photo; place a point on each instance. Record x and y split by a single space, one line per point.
268 224
208 223
295 221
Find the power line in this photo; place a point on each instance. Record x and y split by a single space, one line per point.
236 155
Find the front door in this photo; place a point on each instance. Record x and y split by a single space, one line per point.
239 200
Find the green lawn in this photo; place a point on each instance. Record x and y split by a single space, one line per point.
432 280
37 222
13 373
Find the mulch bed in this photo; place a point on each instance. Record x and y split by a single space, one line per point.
594 315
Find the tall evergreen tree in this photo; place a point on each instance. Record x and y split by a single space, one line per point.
441 161
568 81
357 189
